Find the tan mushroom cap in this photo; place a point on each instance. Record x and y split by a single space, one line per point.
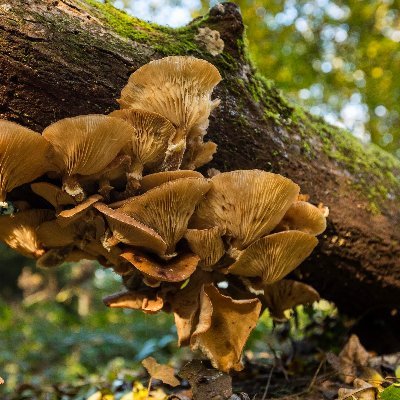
207 244
86 144
52 194
287 294
72 215
179 88
248 204
24 156
198 154
151 181
177 269
127 230
304 217
55 257
147 301
51 234
19 231
224 327
272 257
149 144
167 208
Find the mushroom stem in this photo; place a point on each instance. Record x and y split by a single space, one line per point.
174 155
72 186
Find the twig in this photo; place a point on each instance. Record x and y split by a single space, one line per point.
268 383
312 383
149 387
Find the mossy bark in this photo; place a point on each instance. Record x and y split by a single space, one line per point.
70 57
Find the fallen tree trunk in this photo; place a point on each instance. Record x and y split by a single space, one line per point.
70 57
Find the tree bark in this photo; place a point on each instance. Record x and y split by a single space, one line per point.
71 57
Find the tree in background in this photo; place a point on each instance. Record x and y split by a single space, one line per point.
339 58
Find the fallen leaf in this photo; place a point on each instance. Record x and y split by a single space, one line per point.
164 373
362 391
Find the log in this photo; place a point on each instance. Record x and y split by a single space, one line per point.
70 57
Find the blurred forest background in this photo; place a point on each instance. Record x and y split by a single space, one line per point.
340 59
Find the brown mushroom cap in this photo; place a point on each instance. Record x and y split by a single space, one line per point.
19 231
127 230
207 244
167 208
85 145
177 269
151 181
149 144
24 156
147 301
224 327
198 154
287 294
303 216
179 88
53 194
247 204
67 217
51 234
272 257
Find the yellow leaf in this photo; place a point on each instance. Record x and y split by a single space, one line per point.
164 373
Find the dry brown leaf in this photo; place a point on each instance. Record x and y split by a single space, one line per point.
162 372
362 391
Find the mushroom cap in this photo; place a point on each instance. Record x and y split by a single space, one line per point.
152 134
198 154
147 301
50 234
151 181
177 269
304 217
19 231
224 327
67 217
287 294
207 244
86 144
127 230
168 207
247 204
24 156
52 194
272 257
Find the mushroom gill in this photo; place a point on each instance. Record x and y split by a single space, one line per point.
24 156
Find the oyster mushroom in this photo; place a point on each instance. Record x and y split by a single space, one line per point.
127 230
51 235
286 294
19 231
24 156
303 216
93 142
272 257
153 180
246 204
167 208
53 195
147 301
178 88
207 244
148 145
224 327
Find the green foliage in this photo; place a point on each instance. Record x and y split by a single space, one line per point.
391 393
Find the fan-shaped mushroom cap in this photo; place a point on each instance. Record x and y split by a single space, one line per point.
52 194
305 217
146 301
247 204
127 230
149 144
272 257
198 154
224 327
86 144
55 257
24 156
286 294
153 180
67 217
50 234
19 231
207 244
176 270
167 208
178 88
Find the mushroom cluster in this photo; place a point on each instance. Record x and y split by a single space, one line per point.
122 189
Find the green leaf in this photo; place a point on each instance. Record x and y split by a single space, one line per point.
391 393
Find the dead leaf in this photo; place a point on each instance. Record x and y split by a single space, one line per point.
164 373
362 391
